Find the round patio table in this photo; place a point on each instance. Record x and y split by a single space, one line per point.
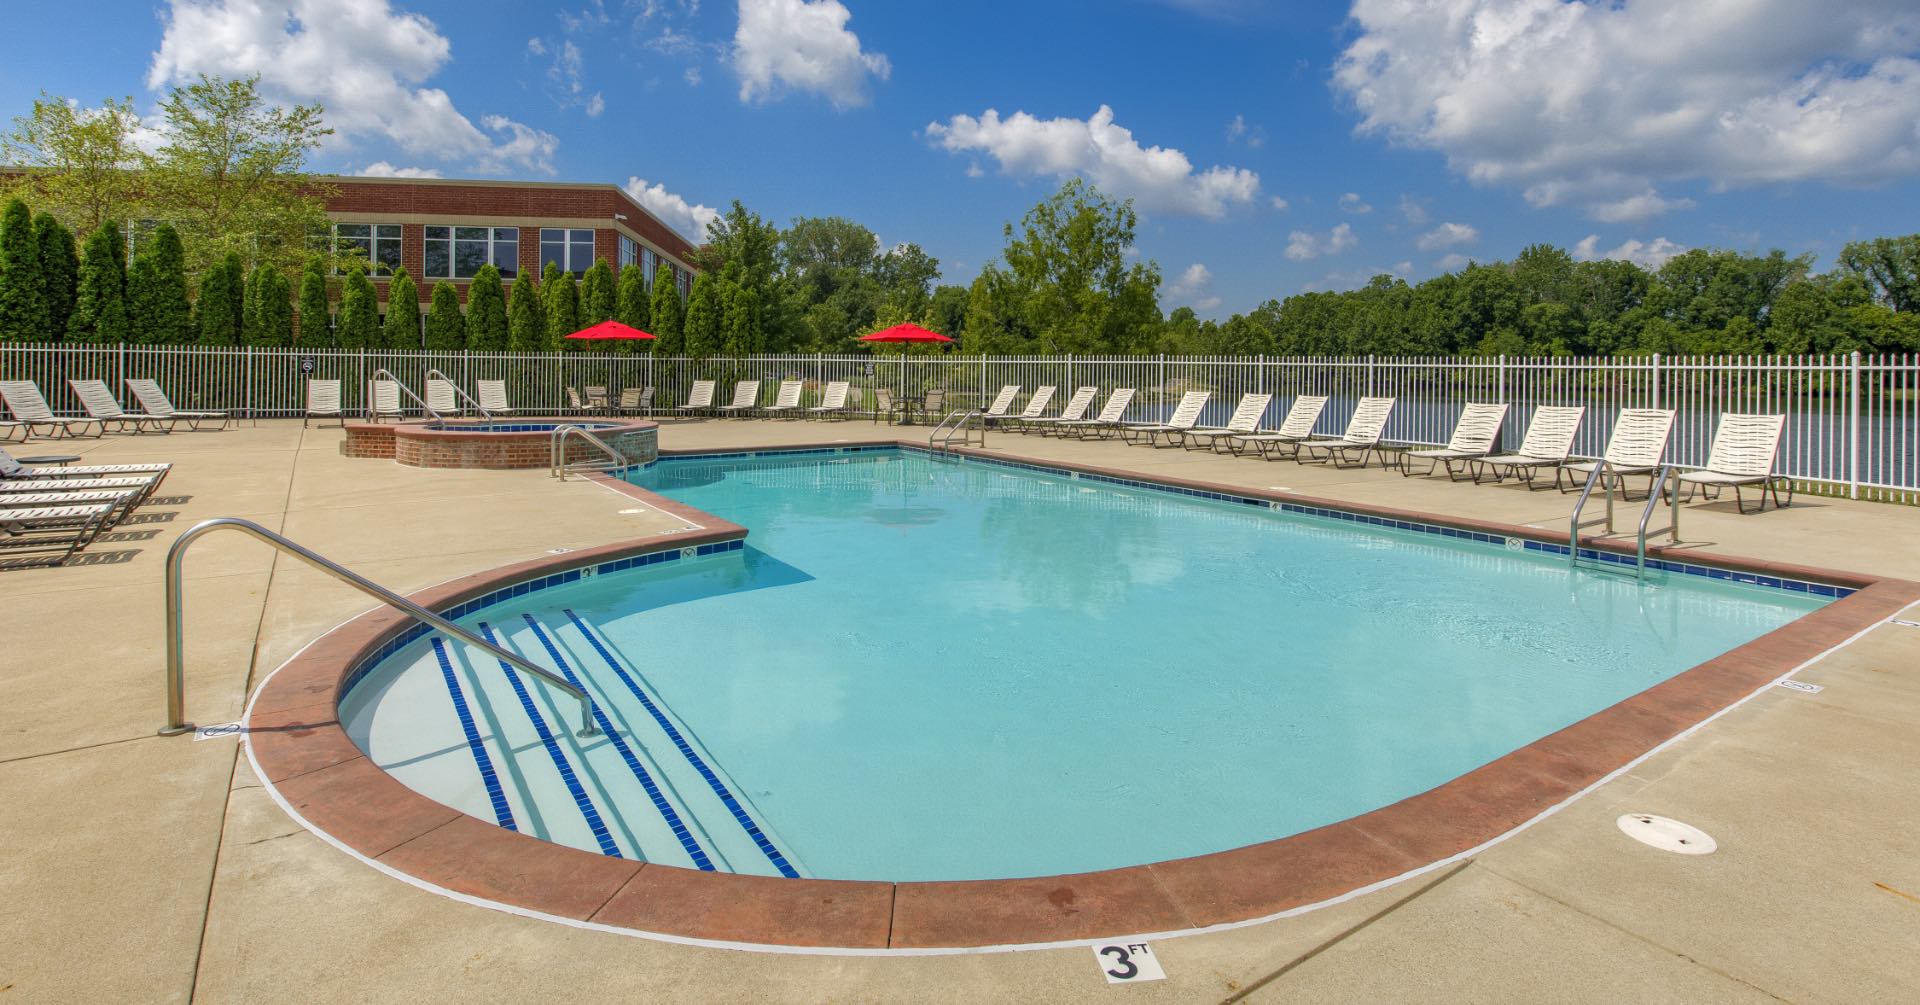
57 460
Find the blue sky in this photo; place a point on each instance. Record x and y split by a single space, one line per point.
1270 148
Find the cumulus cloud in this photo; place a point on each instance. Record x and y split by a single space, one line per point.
517 144
596 105
1238 131
1598 103
1646 254
690 219
1192 287
803 45
1414 210
1158 178
361 59
1352 203
1449 263
1304 245
1447 235
382 169
1279 203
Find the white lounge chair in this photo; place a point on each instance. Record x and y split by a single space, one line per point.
1743 452
30 408
1638 443
383 400
1548 443
1295 429
1036 407
1002 403
1076 411
323 402
13 473
787 400
493 396
1472 440
699 398
833 401
1112 414
154 402
54 529
140 487
8 427
1362 437
1245 420
441 398
1184 416
123 500
100 404
746 398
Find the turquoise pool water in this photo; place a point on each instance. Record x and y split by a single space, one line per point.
921 670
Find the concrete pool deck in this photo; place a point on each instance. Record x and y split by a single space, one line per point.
151 868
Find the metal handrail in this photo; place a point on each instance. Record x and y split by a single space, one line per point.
1668 479
176 633
404 389
557 465
460 391
1573 533
959 428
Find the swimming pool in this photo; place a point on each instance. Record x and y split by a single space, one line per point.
927 670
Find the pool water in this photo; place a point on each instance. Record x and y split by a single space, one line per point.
935 670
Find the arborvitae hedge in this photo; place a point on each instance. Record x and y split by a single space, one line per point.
562 296
24 316
221 308
632 306
486 312
667 340
597 294
358 327
269 308
526 317
59 271
706 318
446 329
315 331
100 304
158 311
402 330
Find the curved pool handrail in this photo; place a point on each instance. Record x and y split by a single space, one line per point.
557 465
460 391
404 389
176 632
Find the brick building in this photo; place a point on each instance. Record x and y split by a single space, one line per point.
445 229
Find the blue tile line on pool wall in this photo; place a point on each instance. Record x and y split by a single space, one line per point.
497 796
640 773
699 764
560 762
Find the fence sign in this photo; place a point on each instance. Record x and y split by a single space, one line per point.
306 364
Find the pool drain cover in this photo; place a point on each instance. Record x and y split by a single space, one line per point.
1666 834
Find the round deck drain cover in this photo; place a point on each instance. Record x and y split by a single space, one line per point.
1666 834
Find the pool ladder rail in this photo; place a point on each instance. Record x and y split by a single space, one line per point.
557 463
1666 486
176 628
959 424
404 389
458 391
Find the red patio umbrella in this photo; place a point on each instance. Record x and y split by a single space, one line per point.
905 333
610 330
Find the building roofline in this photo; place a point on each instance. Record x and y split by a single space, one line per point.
574 186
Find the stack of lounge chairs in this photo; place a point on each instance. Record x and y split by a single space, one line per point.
55 512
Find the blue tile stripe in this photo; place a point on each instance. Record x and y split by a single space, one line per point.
713 781
667 812
560 763
502 811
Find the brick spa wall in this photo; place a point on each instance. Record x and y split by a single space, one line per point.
418 446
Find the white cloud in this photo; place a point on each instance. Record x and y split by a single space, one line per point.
1195 279
537 47
690 219
1238 131
523 145
692 76
973 169
1279 203
804 45
596 105
1303 246
1447 235
1597 103
1414 210
1635 208
361 59
1352 203
1450 263
1649 254
1159 178
382 169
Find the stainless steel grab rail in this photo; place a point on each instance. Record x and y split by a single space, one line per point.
176 632
1667 479
960 427
1573 533
404 389
461 391
557 465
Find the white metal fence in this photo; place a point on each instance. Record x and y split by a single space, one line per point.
1853 422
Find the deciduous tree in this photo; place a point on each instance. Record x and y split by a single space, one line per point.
82 162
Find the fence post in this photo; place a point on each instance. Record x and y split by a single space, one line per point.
249 379
1069 373
120 378
1656 381
361 356
1370 359
1853 428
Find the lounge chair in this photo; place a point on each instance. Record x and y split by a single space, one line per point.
493 396
997 409
123 500
30 408
746 399
441 399
832 402
1295 429
636 400
1104 424
575 406
140 486
100 404
1245 420
1548 443
323 402
1472 440
10 426
1075 411
13 473
1638 443
699 398
1362 436
154 402
383 400
62 529
787 401
1743 452
1183 418
1036 406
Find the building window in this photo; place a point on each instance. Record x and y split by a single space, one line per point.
459 252
571 250
629 251
684 279
379 243
648 262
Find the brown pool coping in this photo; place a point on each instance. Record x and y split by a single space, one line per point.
302 752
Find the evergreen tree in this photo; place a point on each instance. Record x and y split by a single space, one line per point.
598 296
100 304
315 331
24 316
403 314
631 305
563 309
526 318
274 304
258 286
158 310
446 329
745 326
59 272
220 308
706 319
668 339
359 313
486 312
